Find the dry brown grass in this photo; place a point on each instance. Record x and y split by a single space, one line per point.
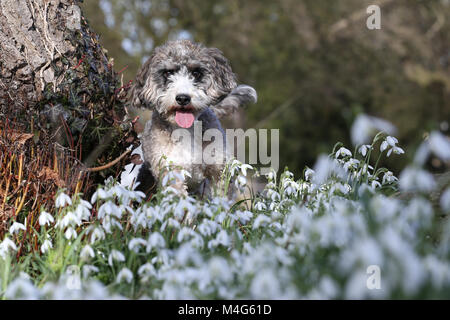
30 175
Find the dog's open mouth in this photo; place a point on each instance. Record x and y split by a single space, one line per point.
184 116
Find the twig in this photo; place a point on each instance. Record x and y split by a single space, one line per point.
109 165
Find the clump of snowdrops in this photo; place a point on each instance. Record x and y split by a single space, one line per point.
343 229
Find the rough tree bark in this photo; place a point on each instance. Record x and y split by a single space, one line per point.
56 79
61 104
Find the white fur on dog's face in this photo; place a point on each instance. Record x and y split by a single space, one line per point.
182 82
183 68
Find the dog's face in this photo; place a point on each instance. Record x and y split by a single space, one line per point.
181 79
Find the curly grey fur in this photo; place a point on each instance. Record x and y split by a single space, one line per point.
184 67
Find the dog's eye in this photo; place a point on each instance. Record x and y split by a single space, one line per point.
167 73
197 74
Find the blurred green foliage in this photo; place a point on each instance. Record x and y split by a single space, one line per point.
314 63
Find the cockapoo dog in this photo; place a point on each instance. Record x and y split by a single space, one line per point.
184 82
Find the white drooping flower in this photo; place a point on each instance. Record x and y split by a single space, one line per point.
260 206
365 127
135 243
244 168
63 200
261 221
87 252
124 275
5 246
416 179
391 143
16 227
389 177
46 245
440 145
343 152
45 218
70 233
115 255
325 167
309 174
97 234
364 149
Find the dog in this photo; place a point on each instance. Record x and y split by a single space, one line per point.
181 83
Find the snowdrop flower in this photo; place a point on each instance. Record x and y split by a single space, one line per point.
45 218
8 244
97 234
184 234
343 152
62 200
271 175
16 227
155 240
389 177
124 274
244 168
364 149
396 150
82 211
87 252
5 246
146 271
265 285
22 288
308 174
364 127
70 233
392 143
88 269
324 168
108 209
222 238
440 145
445 201
422 154
273 195
244 216
115 255
173 176
219 269
344 188
416 179
290 187
208 227
261 221
260 206
46 245
240 182
135 243
99 194
69 219
234 167
351 164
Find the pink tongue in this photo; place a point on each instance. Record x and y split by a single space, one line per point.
184 119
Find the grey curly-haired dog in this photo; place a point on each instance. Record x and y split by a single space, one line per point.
184 82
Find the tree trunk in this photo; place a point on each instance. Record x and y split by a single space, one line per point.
61 103
56 78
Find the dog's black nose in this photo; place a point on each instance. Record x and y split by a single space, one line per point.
183 99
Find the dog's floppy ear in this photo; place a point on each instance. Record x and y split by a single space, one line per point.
241 95
231 95
139 94
223 74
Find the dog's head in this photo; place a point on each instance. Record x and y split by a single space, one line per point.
181 79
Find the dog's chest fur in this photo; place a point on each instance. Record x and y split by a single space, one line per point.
157 141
